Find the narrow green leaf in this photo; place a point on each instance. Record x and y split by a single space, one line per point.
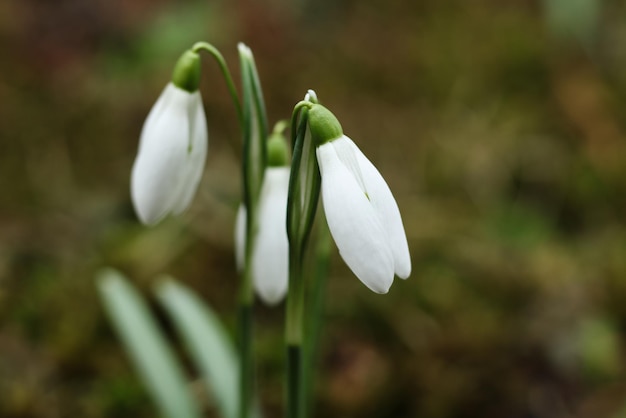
255 129
207 341
259 100
147 347
295 196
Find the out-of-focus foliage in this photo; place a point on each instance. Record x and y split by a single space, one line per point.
503 141
152 357
573 19
209 345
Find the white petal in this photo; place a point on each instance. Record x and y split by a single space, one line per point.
240 237
196 155
160 164
168 95
346 153
270 263
354 224
385 205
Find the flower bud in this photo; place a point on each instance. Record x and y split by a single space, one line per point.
170 160
323 125
186 73
277 151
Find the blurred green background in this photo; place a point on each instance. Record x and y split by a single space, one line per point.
499 125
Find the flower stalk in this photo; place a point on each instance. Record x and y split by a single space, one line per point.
304 187
221 62
255 133
316 290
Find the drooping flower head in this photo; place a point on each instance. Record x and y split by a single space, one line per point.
270 259
362 214
172 147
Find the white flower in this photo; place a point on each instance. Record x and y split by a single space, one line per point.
362 214
171 156
270 259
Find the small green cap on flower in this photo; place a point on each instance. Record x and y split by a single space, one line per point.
277 150
186 73
323 124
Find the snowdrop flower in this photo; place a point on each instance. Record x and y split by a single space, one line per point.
270 258
362 214
172 147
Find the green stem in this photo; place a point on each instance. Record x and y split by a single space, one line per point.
246 300
295 401
205 46
294 328
255 133
246 359
314 318
295 301
301 205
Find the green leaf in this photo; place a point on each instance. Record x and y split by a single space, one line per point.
147 347
304 182
207 341
255 129
254 88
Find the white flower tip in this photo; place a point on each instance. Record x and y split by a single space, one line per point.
310 94
380 289
403 270
403 275
244 49
148 213
148 220
271 297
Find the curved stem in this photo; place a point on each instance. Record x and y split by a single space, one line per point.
246 292
205 46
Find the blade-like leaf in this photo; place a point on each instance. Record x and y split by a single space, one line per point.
259 101
147 347
207 341
255 129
